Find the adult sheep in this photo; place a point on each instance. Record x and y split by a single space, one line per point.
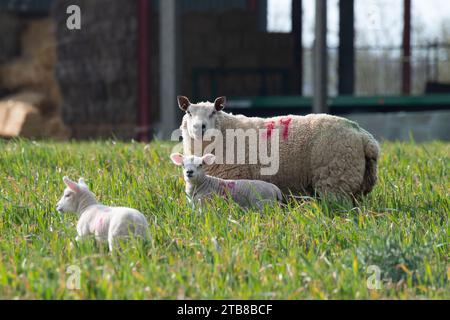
318 153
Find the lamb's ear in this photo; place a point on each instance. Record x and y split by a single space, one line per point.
177 158
208 159
183 103
71 184
82 183
219 103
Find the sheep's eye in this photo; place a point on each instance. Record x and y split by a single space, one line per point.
200 165
212 114
67 195
189 113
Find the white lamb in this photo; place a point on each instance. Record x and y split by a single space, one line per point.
105 223
201 187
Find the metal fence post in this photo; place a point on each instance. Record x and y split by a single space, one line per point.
320 59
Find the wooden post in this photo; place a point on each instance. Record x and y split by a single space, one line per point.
320 59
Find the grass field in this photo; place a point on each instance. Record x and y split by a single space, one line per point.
313 249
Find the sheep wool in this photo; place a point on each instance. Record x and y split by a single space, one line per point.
318 153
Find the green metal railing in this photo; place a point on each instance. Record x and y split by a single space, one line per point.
345 104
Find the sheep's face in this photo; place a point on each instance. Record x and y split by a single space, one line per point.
72 195
192 166
200 117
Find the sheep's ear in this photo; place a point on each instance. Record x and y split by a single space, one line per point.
219 103
82 183
71 184
183 103
177 158
208 159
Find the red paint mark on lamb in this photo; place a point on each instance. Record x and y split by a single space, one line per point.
231 185
99 223
225 187
285 123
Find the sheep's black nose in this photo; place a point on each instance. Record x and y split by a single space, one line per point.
190 172
203 128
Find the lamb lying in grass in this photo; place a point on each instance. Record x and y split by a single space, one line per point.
201 187
105 223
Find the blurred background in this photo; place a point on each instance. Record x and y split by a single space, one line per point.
383 63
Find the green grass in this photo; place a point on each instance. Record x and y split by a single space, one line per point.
312 249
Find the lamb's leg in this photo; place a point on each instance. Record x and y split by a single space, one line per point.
111 241
190 201
200 205
259 204
81 237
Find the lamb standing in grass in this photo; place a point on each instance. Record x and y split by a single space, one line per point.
318 153
105 223
200 187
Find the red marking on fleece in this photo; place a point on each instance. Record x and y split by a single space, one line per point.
269 128
224 187
99 224
285 123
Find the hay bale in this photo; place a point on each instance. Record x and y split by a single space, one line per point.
36 99
38 39
18 117
56 129
96 67
34 69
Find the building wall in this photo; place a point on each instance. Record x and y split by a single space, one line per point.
226 53
402 126
222 51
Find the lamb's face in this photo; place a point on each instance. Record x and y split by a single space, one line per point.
72 195
200 117
193 171
68 202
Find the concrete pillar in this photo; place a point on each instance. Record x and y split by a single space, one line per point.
167 54
143 70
